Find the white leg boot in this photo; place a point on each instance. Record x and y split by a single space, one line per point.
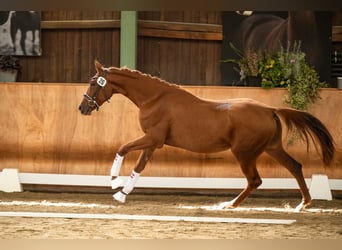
115 170
128 188
120 197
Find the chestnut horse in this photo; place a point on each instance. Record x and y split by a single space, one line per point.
172 116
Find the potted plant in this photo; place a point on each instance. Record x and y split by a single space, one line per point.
9 68
286 68
289 68
271 72
248 65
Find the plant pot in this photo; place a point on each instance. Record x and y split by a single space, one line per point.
339 82
8 76
253 81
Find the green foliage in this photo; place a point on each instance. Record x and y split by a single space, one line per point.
248 62
302 81
303 89
286 68
271 72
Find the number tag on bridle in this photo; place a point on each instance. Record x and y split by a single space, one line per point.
101 81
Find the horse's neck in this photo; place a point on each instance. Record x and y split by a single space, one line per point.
139 89
303 27
301 18
300 22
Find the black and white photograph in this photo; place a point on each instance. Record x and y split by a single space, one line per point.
20 33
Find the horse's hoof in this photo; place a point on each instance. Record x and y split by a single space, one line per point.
120 197
225 205
301 207
117 182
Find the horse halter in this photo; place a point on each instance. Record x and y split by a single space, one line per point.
101 83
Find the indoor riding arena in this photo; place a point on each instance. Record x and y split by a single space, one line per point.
68 115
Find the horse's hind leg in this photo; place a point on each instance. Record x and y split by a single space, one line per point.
248 167
295 169
33 50
22 41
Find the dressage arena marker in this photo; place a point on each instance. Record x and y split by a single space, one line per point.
320 188
165 182
145 217
11 180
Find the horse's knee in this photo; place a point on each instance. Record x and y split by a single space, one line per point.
122 150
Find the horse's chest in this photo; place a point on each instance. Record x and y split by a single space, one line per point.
152 119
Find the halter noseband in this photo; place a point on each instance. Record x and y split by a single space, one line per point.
101 83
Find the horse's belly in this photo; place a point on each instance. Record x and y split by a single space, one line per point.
202 142
200 147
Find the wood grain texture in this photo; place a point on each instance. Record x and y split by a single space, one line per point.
42 131
181 46
170 44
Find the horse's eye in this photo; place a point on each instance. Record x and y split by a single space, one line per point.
93 81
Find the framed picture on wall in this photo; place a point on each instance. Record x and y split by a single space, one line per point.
20 33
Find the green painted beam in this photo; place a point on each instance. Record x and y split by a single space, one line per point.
128 39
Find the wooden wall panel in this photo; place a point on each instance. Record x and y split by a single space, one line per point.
68 53
189 62
186 62
42 131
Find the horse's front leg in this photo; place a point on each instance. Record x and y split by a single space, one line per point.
146 143
133 178
143 142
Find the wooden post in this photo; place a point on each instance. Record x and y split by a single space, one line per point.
128 39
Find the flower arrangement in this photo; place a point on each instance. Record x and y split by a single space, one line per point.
301 80
248 62
286 68
271 72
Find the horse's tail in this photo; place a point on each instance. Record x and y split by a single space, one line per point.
308 125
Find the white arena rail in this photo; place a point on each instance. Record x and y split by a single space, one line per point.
11 180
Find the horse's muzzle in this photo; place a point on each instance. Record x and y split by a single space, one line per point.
85 108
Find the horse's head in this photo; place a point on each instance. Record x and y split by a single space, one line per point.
98 92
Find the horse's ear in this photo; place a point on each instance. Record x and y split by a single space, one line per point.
98 66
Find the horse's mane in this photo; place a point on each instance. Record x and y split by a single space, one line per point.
135 74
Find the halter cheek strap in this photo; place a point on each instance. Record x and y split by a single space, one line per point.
101 82
91 102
